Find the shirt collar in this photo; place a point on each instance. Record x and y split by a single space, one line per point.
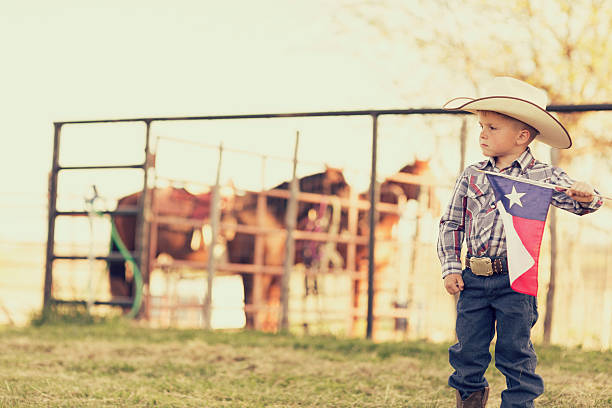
523 160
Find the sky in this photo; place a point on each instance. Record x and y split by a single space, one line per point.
72 60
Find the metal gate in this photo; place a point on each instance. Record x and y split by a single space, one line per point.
143 252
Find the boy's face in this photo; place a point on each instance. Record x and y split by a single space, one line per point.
500 136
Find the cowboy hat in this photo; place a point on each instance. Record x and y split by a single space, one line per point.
521 101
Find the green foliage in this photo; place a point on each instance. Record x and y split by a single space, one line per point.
67 314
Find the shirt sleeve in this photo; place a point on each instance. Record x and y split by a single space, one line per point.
565 202
452 229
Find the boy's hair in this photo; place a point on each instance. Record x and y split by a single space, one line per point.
533 132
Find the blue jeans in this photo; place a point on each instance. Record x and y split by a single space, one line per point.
487 303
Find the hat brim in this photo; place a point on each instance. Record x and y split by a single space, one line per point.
551 130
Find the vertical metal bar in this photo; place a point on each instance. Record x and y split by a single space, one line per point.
291 221
353 225
550 295
373 214
144 215
153 227
152 244
47 295
462 147
351 257
462 144
606 326
215 215
259 255
258 258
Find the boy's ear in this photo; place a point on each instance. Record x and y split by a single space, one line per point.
523 137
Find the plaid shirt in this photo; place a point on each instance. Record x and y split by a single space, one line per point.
472 214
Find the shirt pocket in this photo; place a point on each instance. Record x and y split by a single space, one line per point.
481 205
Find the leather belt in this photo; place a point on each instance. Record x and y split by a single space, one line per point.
486 266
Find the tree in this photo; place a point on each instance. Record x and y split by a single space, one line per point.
560 46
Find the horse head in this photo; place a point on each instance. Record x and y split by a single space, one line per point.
329 182
393 191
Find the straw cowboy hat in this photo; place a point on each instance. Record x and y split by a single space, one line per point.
521 101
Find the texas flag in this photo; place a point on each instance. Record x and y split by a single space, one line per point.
523 208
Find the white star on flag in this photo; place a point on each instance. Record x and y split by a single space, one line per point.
514 197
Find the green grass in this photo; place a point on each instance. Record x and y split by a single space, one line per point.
115 363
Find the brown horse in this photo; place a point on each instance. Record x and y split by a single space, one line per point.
265 288
392 191
176 240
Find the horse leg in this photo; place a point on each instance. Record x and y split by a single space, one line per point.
273 295
248 284
119 285
240 250
271 284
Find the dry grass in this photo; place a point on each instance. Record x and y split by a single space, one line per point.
120 364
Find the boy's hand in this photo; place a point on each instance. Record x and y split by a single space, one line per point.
453 283
581 191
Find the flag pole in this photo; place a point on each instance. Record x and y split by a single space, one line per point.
538 183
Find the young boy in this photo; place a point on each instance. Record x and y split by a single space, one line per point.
511 114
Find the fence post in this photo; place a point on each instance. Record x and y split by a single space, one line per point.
259 254
606 326
47 293
550 295
351 259
291 220
215 215
373 200
152 244
463 142
143 226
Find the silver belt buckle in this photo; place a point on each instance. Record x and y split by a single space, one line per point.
481 266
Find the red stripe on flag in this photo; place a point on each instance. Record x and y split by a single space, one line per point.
530 232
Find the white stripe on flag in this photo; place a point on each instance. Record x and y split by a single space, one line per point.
519 259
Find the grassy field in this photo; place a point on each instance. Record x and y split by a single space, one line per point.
121 364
